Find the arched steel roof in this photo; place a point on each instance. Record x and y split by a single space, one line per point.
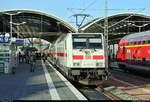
119 25
38 24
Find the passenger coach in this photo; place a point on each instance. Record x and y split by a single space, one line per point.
82 57
134 52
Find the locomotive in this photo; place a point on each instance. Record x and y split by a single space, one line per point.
134 52
82 57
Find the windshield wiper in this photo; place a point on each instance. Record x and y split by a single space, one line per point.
94 49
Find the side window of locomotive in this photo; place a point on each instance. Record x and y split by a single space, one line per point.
144 40
62 38
65 45
139 41
135 41
149 39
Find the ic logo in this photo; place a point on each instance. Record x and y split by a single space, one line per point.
87 57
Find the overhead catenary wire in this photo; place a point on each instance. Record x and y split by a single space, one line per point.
96 23
84 16
99 9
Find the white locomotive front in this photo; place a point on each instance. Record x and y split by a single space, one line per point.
82 57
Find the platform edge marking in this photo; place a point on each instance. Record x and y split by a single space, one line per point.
51 86
71 87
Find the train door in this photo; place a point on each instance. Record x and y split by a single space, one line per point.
123 58
144 54
128 56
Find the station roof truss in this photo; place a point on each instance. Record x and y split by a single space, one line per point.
119 25
37 24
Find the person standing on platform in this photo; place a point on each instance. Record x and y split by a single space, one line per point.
20 57
32 61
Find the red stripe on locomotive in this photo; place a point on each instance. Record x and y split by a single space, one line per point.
98 57
76 57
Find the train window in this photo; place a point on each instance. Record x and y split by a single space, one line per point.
139 60
128 43
149 39
123 49
139 41
95 43
134 60
143 60
87 42
135 40
131 41
148 61
79 43
144 39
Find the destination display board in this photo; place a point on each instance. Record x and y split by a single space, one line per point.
20 42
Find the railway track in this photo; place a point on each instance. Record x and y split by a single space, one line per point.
97 93
107 93
133 84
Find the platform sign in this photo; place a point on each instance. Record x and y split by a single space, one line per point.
4 39
20 42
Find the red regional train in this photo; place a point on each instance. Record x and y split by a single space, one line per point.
134 52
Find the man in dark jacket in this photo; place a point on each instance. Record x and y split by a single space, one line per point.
32 61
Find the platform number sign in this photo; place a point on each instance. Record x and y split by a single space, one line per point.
4 39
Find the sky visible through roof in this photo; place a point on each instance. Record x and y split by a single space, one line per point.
64 9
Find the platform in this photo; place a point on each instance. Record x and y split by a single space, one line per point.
45 83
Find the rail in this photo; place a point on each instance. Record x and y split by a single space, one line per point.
107 93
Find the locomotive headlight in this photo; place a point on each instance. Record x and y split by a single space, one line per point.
100 64
76 64
97 64
92 51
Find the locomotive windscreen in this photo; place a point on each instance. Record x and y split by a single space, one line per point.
89 41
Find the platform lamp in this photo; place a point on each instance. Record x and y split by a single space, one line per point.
11 14
18 24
